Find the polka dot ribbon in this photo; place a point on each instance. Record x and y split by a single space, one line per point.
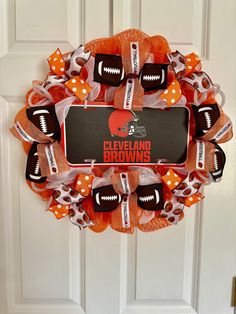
84 184
66 201
71 68
186 68
172 94
79 87
185 190
57 63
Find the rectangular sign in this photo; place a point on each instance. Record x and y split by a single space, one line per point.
111 136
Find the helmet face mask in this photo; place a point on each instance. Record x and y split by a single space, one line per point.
136 130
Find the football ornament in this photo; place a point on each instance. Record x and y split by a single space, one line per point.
150 197
45 119
123 132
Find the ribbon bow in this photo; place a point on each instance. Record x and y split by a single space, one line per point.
124 196
66 200
130 73
107 197
187 69
39 126
71 66
184 190
130 95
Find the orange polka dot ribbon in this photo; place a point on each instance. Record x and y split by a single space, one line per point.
187 68
67 201
83 184
171 179
79 87
59 210
195 198
191 62
183 65
172 94
186 188
69 67
57 63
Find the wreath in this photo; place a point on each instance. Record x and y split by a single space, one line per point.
129 74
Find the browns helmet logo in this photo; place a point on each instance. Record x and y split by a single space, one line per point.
124 123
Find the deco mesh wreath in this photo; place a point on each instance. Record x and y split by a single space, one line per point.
127 175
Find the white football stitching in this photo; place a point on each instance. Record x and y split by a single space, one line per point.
36 170
109 198
151 77
150 197
43 124
111 70
208 119
216 163
146 198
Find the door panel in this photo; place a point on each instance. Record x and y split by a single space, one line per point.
49 266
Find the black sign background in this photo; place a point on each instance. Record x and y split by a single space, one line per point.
86 130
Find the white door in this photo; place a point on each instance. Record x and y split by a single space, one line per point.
49 266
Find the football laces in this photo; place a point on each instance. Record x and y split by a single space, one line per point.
146 198
151 77
112 70
216 164
43 124
109 198
208 119
36 169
